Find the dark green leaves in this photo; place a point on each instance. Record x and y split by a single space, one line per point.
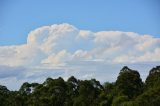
128 90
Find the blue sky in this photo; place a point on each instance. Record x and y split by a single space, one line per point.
19 17
83 38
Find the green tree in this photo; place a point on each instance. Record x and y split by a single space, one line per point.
89 91
119 100
153 79
149 98
129 83
4 93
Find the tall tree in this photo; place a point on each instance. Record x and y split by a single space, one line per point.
129 82
153 79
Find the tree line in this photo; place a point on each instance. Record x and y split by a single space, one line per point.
127 90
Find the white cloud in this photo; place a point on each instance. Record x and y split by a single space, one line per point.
65 47
85 34
57 60
53 38
152 56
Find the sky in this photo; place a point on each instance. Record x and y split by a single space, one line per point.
84 38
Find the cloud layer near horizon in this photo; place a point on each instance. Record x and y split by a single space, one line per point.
69 50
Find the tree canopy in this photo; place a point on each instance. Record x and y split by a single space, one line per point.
127 90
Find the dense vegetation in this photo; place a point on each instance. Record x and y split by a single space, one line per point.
128 90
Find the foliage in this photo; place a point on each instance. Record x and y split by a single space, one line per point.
153 78
129 83
128 90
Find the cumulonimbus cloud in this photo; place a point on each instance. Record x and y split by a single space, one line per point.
56 45
66 47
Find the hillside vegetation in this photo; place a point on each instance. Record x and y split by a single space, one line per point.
127 90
